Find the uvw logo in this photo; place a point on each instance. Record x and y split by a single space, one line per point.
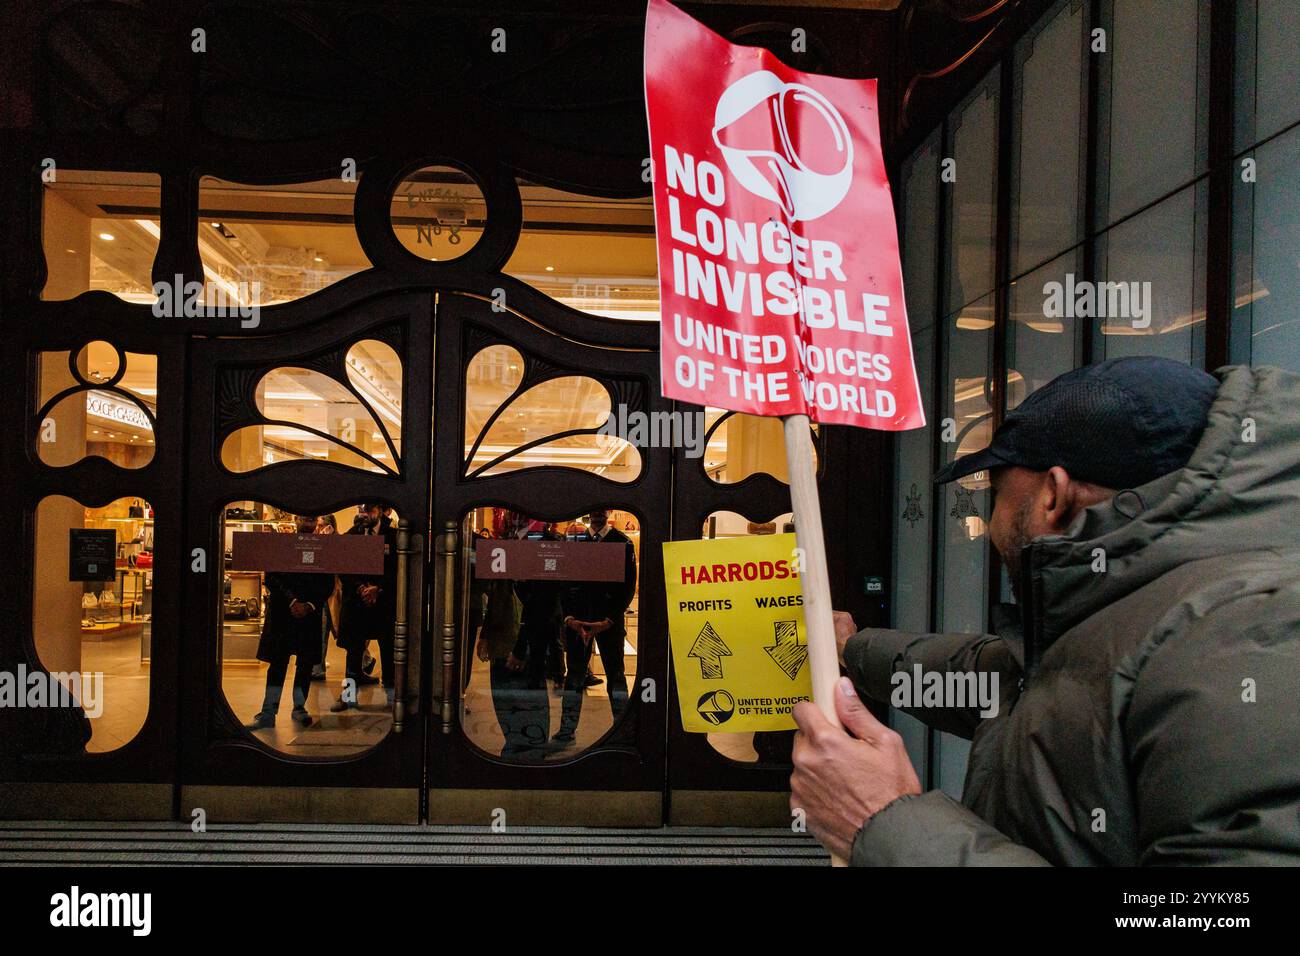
811 169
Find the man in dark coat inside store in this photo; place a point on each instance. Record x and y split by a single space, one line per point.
291 627
368 611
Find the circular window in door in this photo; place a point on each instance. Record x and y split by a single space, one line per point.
438 213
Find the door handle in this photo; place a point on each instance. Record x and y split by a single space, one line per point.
404 552
450 551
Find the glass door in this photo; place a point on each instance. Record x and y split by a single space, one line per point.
551 677
307 507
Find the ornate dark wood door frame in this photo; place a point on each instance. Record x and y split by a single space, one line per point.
620 780
43 772
225 770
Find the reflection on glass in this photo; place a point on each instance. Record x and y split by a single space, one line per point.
438 213
963 505
752 747
96 622
105 415
336 628
1265 70
100 232
1266 269
264 244
920 203
974 194
311 416
553 423
913 520
593 254
1153 103
742 445
538 648
1046 153
1040 347
913 502
1156 259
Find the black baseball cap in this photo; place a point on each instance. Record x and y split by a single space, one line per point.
1118 424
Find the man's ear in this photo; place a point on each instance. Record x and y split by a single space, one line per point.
1058 498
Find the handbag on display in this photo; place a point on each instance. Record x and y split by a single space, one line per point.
107 598
89 600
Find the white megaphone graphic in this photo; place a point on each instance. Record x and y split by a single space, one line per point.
811 169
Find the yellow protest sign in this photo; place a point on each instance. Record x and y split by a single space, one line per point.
735 620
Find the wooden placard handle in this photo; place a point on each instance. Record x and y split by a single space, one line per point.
823 657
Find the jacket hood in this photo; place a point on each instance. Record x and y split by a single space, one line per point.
1239 492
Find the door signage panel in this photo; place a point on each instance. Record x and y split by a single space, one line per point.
319 553
537 559
92 554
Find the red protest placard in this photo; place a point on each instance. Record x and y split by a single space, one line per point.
780 284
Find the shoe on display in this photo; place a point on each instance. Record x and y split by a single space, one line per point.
301 717
262 721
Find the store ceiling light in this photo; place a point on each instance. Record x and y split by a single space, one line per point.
107 236
550 268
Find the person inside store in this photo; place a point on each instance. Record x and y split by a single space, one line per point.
539 632
291 627
1147 711
499 643
327 524
593 615
368 611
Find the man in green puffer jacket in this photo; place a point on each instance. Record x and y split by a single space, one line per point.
1149 706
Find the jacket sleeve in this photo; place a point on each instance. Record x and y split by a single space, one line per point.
1211 723
934 830
874 655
